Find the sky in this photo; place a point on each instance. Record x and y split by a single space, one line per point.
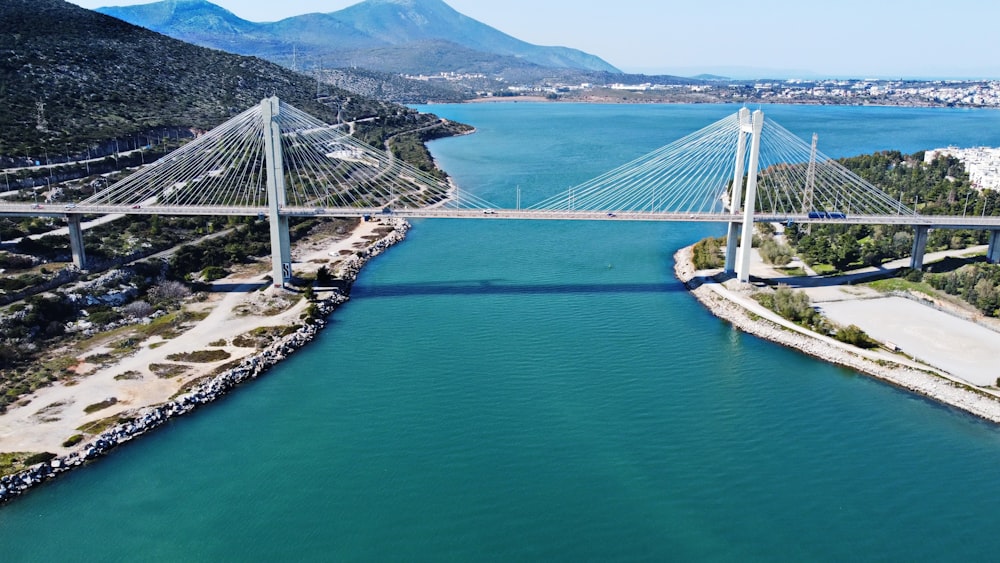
766 38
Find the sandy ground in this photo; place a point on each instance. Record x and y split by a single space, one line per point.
960 347
54 413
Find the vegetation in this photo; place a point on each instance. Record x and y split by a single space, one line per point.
790 304
940 187
260 337
168 371
100 405
200 356
14 462
708 253
773 252
85 88
72 440
796 307
853 335
977 284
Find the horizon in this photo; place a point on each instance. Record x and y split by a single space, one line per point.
631 35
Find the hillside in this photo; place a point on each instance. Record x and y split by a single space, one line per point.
94 78
404 36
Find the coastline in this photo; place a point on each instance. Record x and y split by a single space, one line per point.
724 300
138 421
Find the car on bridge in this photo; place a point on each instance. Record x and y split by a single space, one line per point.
827 215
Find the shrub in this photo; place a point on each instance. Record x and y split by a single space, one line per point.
169 291
100 406
854 336
213 273
137 309
73 440
773 253
39 458
707 253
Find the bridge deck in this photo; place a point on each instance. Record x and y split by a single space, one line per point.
938 221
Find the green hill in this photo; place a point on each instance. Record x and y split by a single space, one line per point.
72 78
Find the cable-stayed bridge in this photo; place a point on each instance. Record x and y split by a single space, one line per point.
274 161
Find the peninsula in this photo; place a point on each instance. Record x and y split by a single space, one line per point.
962 381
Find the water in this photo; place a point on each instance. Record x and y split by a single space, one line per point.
547 391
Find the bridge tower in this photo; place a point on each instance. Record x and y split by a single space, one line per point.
281 253
739 260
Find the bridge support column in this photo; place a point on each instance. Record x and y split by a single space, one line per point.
76 241
746 242
993 253
736 195
732 243
919 247
281 253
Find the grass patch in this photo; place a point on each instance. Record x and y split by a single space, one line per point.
50 413
14 462
902 284
824 269
99 358
90 409
187 387
168 371
218 343
261 337
173 324
128 376
98 426
793 271
226 366
200 356
73 440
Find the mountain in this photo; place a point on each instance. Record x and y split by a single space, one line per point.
89 77
404 36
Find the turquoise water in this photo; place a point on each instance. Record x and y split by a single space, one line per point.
547 391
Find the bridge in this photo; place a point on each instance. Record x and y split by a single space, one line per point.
274 161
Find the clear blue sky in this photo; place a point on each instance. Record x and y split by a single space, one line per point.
842 38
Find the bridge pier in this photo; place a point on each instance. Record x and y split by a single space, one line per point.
993 253
76 241
281 253
749 205
732 246
919 247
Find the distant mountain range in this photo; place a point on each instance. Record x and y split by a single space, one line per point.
400 36
71 77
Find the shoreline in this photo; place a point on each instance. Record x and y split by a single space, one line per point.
141 420
927 381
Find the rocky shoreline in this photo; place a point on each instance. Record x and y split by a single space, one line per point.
721 303
146 419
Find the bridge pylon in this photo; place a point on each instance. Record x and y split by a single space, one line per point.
281 252
738 260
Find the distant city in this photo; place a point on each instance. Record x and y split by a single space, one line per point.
916 93
982 164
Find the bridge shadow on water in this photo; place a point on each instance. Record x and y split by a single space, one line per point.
224 287
500 287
